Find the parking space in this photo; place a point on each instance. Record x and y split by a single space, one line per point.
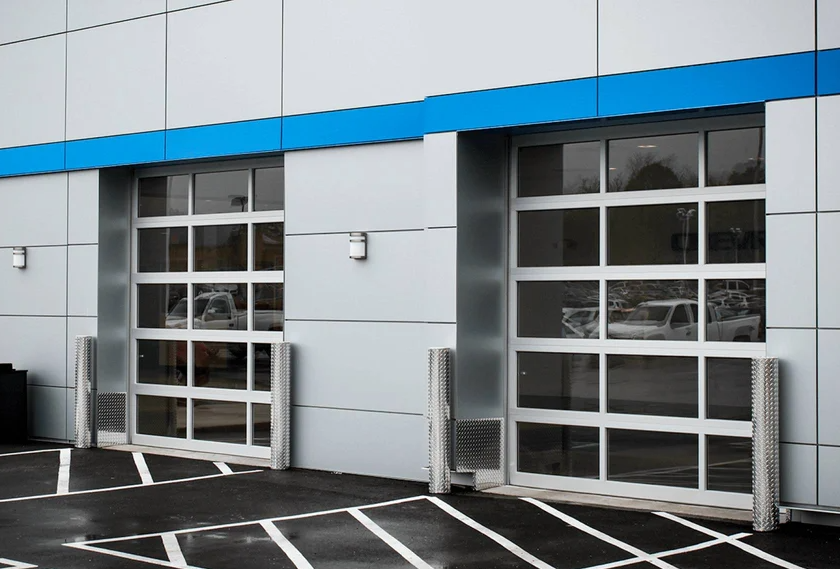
135 510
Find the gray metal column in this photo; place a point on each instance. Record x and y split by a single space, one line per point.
281 405
765 418
84 385
439 418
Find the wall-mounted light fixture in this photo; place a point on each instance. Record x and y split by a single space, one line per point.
358 245
19 257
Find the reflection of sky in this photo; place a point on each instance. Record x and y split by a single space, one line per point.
733 150
679 152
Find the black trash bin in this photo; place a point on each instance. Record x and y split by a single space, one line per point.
13 427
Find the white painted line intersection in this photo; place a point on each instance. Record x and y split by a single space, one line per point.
292 552
390 540
223 468
142 468
173 550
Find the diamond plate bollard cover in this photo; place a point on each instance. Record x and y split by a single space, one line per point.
479 448
281 405
111 419
765 412
439 420
84 378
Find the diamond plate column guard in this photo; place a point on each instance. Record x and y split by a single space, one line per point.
765 443
439 420
281 405
84 385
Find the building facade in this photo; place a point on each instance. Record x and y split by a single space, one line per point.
605 208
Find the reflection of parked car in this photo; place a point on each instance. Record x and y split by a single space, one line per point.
218 311
677 320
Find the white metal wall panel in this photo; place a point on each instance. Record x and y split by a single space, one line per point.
32 91
325 284
355 188
87 13
225 63
82 280
343 55
40 288
828 24
797 353
440 153
828 392
48 412
116 78
442 263
791 271
791 147
798 476
828 143
371 366
829 467
653 34
34 211
828 258
496 43
37 345
182 4
359 442
83 207
17 22
77 326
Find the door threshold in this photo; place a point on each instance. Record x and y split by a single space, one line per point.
579 498
195 455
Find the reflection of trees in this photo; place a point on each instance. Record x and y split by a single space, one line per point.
645 171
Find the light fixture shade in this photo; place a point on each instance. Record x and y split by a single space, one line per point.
19 257
358 245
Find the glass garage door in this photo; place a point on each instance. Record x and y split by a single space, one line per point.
637 295
207 298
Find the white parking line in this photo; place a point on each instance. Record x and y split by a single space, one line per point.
129 487
173 550
669 553
600 535
730 540
11 564
223 468
63 472
389 539
130 556
23 452
292 552
142 468
503 541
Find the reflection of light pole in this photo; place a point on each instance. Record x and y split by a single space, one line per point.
737 232
239 200
685 216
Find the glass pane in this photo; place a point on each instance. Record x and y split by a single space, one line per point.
560 169
647 457
163 195
652 310
735 157
223 365
220 421
221 192
737 310
161 305
652 234
558 450
221 248
269 189
162 416
653 162
222 306
550 309
262 367
729 388
730 464
162 250
262 424
558 381
559 238
652 385
268 247
736 232
162 362
268 307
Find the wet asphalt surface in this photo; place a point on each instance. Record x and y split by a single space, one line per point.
240 519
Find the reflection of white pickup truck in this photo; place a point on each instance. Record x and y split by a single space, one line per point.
218 311
677 320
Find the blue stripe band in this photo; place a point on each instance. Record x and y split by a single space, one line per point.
118 150
530 104
828 72
355 126
35 159
224 139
